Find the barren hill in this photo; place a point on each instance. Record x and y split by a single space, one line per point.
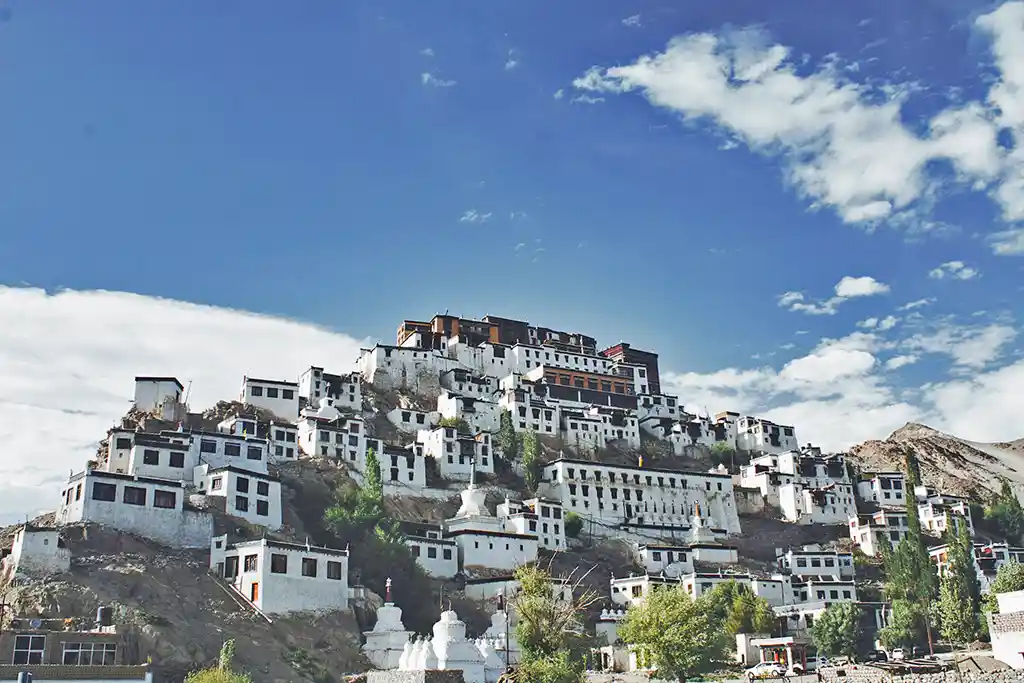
950 464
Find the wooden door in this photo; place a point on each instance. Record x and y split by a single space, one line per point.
255 592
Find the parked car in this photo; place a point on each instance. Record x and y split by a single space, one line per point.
766 670
898 655
876 656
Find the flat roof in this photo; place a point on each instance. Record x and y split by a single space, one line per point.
100 474
153 378
272 381
284 545
592 463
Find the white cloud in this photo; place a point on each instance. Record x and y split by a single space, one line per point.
887 323
559 94
868 324
427 52
586 99
474 216
847 288
68 361
844 144
917 304
430 79
969 347
632 21
956 270
897 362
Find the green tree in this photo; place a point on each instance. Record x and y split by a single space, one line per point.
222 673
1009 578
738 610
681 636
457 423
907 624
1006 511
837 630
573 524
507 437
959 621
531 465
550 630
373 482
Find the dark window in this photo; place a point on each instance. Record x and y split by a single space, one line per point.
279 435
308 566
241 503
262 488
262 508
101 491
250 563
415 550
278 564
432 553
232 449
334 570
230 567
447 553
254 453
164 499
256 391
353 440
216 484
123 444
207 446
242 485
177 460
90 654
29 649
150 457
133 495
271 392
287 394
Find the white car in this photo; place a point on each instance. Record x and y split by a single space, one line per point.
766 670
897 655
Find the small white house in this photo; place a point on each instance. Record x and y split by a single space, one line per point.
400 467
455 452
36 552
814 560
480 413
284 441
871 531
829 504
410 420
279 397
162 458
151 393
883 488
154 508
279 577
344 390
439 557
535 517
1007 629
252 496
671 560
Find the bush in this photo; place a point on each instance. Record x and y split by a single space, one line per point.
573 524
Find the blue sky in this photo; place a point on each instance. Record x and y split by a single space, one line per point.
352 164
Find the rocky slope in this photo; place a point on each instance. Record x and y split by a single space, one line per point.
948 463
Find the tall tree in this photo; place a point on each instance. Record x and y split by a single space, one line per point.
682 636
531 473
1005 509
907 624
837 631
959 620
222 672
373 482
738 610
507 437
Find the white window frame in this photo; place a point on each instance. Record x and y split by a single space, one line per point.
90 654
33 650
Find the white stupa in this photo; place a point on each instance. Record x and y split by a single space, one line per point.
388 639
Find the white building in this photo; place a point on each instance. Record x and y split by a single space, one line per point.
346 391
814 560
279 577
829 504
153 508
342 438
871 531
669 560
988 558
1007 629
482 414
529 412
390 367
439 557
482 538
759 435
163 458
937 513
456 454
410 420
402 467
36 552
535 517
284 440
658 406
620 497
883 488
279 397
252 496
461 382
152 393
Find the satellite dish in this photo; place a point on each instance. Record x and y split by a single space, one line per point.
36 623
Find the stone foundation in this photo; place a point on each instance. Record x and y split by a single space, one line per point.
432 676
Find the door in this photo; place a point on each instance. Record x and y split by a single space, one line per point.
255 592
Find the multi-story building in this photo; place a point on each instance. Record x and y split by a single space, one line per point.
344 390
279 397
937 511
988 557
617 497
537 516
872 531
882 488
815 560
457 454
832 503
480 413
623 352
442 329
252 496
759 435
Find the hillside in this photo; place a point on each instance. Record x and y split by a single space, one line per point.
950 464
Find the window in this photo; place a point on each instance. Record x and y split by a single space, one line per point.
262 488
230 567
432 552
242 485
278 564
206 446
134 495
262 508
846 594
271 392
232 449
308 566
150 457
251 563
254 453
415 550
656 556
216 484
256 391
287 394
834 595
123 444
241 503
279 435
86 654
165 499
101 491
334 570
446 553
29 649
177 460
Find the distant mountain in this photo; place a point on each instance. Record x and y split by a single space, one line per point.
950 464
